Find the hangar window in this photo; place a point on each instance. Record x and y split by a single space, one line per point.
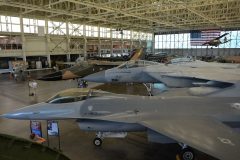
91 31
75 29
135 35
31 25
189 43
105 32
195 40
9 24
58 28
126 34
149 36
117 34
142 36
37 26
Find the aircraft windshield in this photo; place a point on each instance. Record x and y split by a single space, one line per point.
71 95
76 94
139 63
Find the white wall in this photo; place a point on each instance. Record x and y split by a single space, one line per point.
35 46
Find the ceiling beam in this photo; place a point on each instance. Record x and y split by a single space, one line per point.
190 8
58 11
99 6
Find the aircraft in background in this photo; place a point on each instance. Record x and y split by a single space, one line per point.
161 57
229 59
213 76
5 71
216 41
19 70
83 68
203 123
117 55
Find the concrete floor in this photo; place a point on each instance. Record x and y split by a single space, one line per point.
75 143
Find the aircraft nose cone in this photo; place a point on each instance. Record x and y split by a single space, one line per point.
96 77
25 113
15 115
52 77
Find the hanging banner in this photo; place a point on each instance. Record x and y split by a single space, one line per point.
52 128
36 128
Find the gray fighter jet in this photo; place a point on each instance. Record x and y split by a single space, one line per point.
206 124
187 74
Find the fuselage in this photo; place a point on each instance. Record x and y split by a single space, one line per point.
173 75
130 110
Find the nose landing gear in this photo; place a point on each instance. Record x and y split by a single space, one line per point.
97 142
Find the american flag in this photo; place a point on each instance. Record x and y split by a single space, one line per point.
200 37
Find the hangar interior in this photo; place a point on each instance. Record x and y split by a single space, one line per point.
40 33
45 28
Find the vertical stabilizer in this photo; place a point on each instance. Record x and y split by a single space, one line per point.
138 54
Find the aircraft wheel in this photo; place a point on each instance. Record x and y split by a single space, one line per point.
125 57
187 154
97 142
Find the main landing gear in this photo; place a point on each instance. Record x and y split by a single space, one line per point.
187 153
149 88
101 135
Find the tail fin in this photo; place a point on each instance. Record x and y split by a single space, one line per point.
138 54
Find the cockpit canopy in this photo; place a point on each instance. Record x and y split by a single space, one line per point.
76 94
138 63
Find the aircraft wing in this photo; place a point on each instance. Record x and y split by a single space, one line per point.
206 43
211 74
4 71
221 36
203 134
217 38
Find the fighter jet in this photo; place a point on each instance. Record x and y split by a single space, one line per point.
216 41
189 74
5 71
206 124
84 68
